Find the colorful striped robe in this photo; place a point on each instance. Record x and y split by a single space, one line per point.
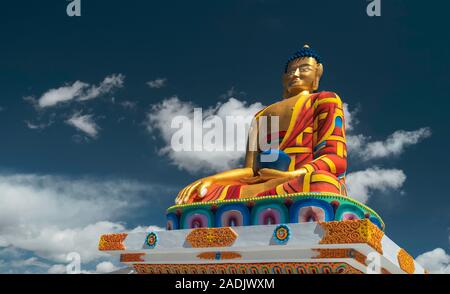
315 141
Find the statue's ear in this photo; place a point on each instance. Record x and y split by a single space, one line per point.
319 73
319 70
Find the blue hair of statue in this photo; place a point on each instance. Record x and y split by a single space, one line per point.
304 52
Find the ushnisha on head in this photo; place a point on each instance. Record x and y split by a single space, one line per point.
302 72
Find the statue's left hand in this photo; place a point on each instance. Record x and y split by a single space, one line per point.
266 174
201 186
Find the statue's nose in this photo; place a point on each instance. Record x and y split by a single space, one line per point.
297 72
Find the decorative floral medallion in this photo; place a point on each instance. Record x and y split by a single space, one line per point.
282 234
152 240
211 237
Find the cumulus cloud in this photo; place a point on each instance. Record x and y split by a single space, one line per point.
211 156
78 91
362 184
363 148
32 261
157 83
436 261
52 216
105 267
84 123
394 145
54 243
57 269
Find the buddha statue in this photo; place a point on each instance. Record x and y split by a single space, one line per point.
234 221
311 156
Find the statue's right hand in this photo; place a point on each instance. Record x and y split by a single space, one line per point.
201 186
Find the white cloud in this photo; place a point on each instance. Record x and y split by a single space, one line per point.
350 118
157 83
109 83
79 91
394 145
52 216
436 261
62 94
360 146
57 269
159 120
105 267
362 184
32 261
54 243
84 123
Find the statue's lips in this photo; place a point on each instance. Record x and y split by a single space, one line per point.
295 81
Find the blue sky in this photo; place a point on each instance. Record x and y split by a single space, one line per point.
94 163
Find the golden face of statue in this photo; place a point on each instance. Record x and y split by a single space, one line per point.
303 74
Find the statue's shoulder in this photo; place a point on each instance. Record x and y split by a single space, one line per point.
326 95
266 108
